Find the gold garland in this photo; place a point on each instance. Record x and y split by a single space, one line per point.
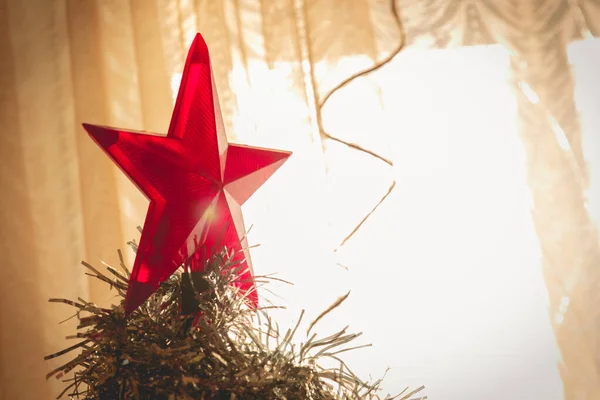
222 350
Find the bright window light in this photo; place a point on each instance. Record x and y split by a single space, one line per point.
584 57
446 276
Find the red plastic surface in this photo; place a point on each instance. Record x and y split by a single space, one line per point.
194 179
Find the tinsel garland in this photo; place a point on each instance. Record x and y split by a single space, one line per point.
224 349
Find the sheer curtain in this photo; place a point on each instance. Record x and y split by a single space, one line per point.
453 278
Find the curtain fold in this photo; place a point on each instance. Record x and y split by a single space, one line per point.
119 62
42 218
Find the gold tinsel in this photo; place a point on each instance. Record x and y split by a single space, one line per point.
224 349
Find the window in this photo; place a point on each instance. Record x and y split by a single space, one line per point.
445 276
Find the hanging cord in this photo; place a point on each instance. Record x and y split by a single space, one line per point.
321 104
344 83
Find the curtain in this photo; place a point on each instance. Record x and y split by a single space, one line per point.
472 152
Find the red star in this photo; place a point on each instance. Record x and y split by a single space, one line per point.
195 180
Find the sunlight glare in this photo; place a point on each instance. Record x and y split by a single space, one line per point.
446 276
459 261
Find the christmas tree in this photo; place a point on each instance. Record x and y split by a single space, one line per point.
189 324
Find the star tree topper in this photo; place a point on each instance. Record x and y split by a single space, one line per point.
194 179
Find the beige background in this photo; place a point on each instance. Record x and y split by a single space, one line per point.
115 62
